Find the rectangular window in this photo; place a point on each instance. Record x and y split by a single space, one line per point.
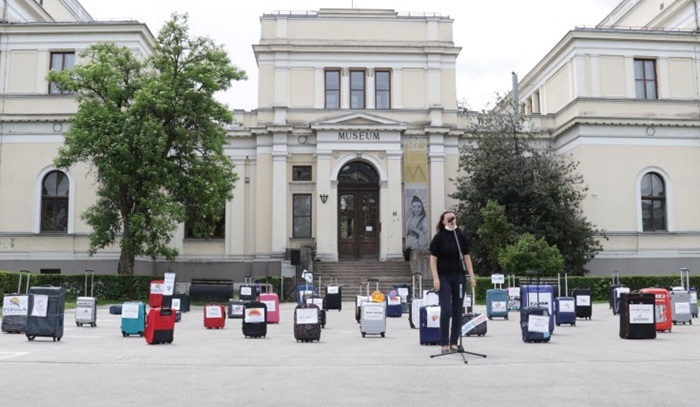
333 89
645 78
219 227
49 271
301 173
301 215
357 89
60 61
383 89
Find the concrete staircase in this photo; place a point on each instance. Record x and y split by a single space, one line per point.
352 275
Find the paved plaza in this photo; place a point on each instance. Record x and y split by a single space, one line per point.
585 365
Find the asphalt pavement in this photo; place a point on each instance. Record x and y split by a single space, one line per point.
583 365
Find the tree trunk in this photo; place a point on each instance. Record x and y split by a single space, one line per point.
126 259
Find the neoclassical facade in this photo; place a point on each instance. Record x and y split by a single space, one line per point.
356 137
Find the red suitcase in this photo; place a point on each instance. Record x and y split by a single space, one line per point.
155 297
160 325
214 316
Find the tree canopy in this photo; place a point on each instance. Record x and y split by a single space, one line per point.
153 136
540 192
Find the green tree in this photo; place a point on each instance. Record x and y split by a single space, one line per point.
529 253
495 232
540 191
153 136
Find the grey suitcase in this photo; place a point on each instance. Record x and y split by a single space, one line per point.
14 307
373 315
680 307
86 307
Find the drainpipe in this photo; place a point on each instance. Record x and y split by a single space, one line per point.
515 93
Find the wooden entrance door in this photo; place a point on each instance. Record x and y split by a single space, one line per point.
358 211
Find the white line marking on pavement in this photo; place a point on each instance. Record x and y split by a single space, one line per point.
7 355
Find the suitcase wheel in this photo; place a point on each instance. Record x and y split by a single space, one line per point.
78 324
382 334
124 334
490 318
363 334
93 325
31 337
506 317
141 334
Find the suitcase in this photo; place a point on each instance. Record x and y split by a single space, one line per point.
14 308
305 290
637 316
617 292
497 303
565 311
86 307
46 307
582 302
662 308
513 298
416 302
249 291
334 295
235 308
692 292
478 330
429 331
160 325
133 318
614 283
536 323
214 316
307 326
373 318
394 309
272 301
115 309
319 302
155 296
680 307
404 291
184 302
254 324
538 295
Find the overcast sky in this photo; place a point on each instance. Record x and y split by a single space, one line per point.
497 37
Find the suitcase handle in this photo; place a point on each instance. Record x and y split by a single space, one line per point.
92 284
19 287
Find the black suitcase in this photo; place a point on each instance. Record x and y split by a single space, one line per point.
583 302
254 323
478 330
307 325
334 295
637 316
320 302
46 308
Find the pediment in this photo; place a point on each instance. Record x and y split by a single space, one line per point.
358 120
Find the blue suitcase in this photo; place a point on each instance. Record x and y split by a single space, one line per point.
429 331
538 295
305 290
565 310
133 318
497 303
529 333
394 308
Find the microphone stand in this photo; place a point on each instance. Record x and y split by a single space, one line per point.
460 348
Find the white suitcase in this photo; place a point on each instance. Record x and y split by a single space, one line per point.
86 307
373 318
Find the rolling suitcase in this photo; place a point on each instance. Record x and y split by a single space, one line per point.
214 316
160 325
680 307
15 307
416 302
564 307
404 291
133 321
612 294
46 307
637 316
155 296
662 308
272 301
307 326
235 308
86 307
305 290
497 303
583 304
115 309
254 324
394 308
319 302
334 295
249 290
429 331
539 295
617 292
479 327
692 292
373 318
535 316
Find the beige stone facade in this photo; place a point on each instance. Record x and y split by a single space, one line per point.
350 152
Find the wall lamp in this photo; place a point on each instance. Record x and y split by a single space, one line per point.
324 198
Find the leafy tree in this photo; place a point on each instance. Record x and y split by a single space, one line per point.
540 191
495 233
153 136
529 253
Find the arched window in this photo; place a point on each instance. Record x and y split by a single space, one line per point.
358 172
653 197
55 189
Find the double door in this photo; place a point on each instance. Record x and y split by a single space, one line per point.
358 223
